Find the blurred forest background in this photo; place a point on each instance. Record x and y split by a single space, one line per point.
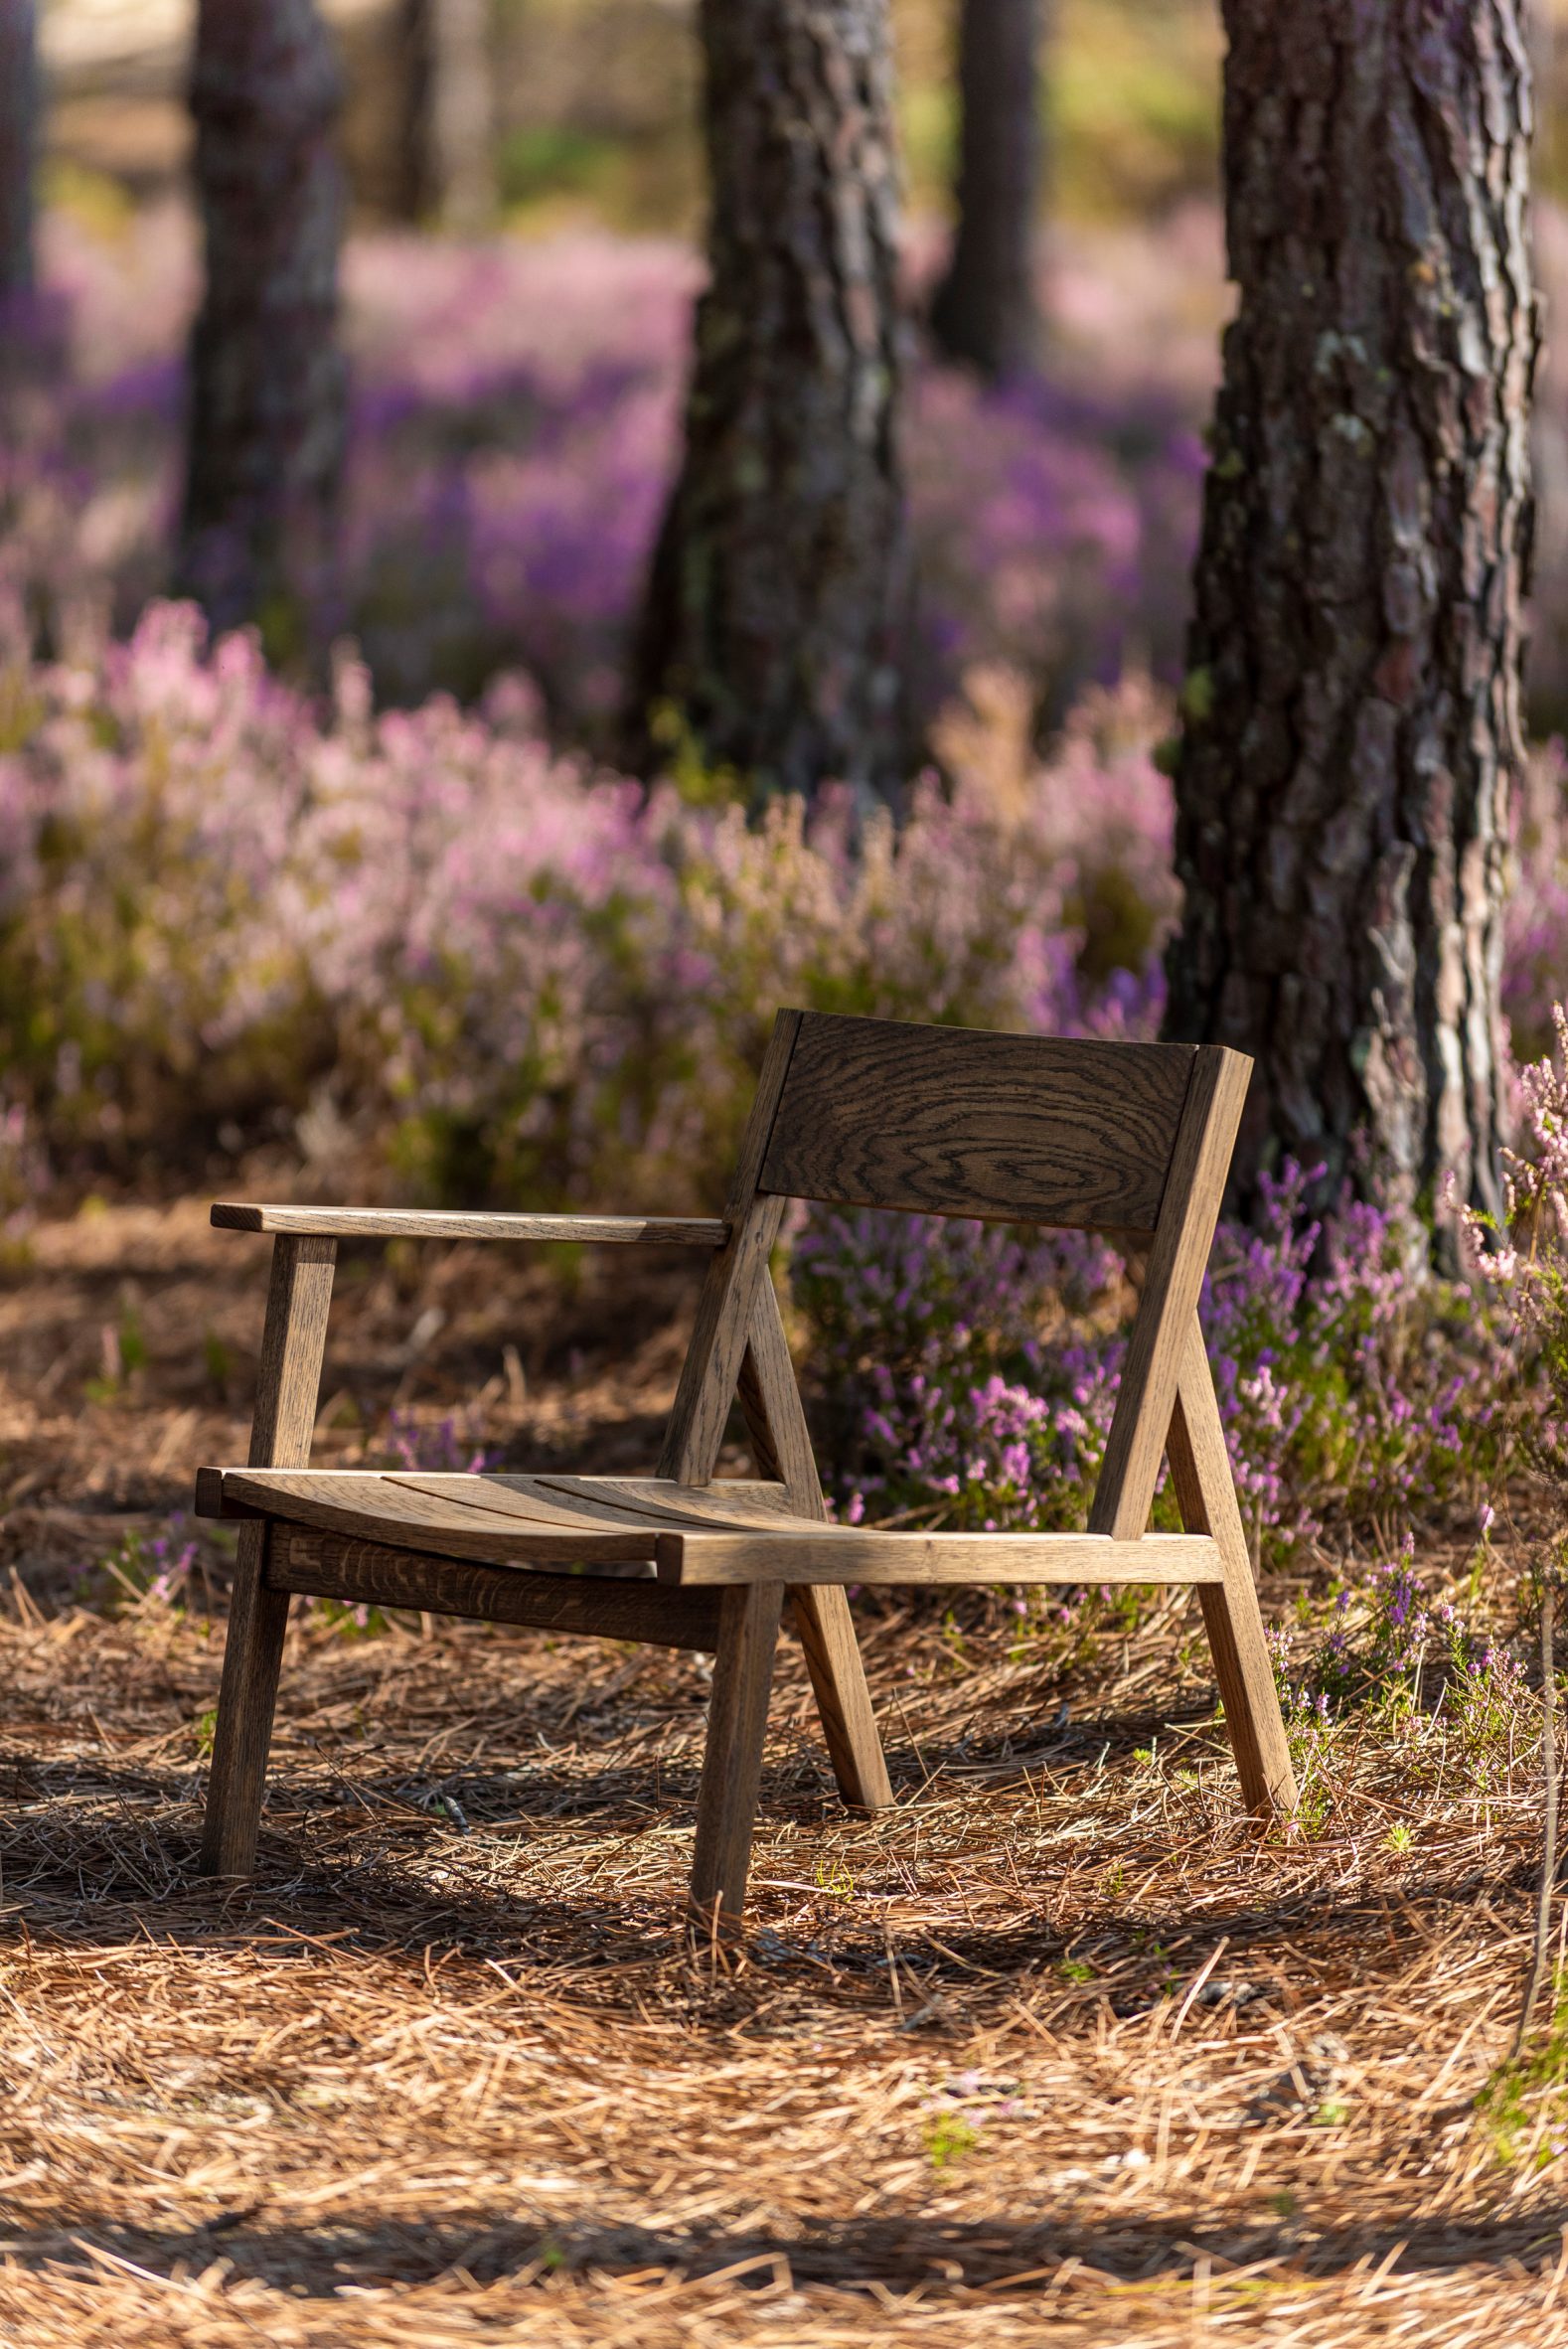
516 405
238 905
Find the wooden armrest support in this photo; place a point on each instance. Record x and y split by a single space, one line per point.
416 1223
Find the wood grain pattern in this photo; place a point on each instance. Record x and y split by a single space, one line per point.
288 1382
387 1508
728 1502
946 1121
416 1223
369 1573
781 1444
737 1719
497 1515
863 1554
1206 1493
1171 1280
711 1372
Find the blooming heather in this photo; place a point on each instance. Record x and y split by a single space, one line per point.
506 972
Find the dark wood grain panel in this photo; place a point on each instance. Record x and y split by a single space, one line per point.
370 1574
953 1121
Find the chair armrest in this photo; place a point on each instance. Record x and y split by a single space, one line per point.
416 1223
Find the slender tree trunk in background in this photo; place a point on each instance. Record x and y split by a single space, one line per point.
267 379
986 311
19 106
1352 718
448 130
773 633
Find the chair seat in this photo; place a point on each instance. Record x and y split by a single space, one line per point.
738 1530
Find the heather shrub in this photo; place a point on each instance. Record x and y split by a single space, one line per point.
1535 916
484 969
967 1374
513 425
1388 1640
1523 1257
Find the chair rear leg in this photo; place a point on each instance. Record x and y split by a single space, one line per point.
826 1629
737 1720
1206 1493
258 1620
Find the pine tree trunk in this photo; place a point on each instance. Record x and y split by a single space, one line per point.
267 379
19 101
447 149
1351 716
772 637
985 311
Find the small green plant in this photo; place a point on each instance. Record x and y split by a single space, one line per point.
1398 1837
123 1353
1524 2103
349 1621
203 1729
154 1566
948 2137
833 1877
1075 1969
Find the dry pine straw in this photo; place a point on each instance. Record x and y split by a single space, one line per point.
1057 2050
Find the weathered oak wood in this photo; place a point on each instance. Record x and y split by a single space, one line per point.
781 1444
370 1574
1207 1493
711 1372
288 1381
490 1507
1128 1138
737 1719
1174 1276
417 1223
865 1554
389 1509
951 1121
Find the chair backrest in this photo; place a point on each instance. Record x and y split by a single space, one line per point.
954 1121
1131 1140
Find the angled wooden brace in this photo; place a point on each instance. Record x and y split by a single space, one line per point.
738 1349
1166 1408
1178 1258
1207 1493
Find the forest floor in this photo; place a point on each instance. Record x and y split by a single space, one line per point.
1060 2048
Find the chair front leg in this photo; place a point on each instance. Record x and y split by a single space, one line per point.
253 1658
288 1381
737 1719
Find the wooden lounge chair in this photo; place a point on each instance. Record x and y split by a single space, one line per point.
1129 1140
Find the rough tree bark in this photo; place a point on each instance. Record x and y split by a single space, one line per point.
448 128
18 98
985 311
268 388
1351 715
773 626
